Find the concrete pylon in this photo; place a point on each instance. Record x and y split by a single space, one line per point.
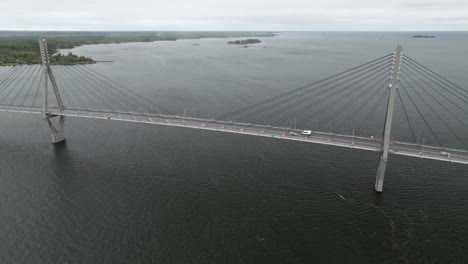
57 132
388 119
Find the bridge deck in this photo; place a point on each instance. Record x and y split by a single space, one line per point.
363 143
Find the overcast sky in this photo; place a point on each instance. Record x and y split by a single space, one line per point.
274 15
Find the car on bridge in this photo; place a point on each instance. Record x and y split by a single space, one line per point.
444 153
306 132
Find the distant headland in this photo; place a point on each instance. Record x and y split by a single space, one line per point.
21 47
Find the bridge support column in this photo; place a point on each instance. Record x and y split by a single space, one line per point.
57 131
380 174
388 120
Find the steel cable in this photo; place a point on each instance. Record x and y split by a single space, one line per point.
299 89
302 110
435 112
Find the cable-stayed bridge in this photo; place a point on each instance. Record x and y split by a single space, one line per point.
392 104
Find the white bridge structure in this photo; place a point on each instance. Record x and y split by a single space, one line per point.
355 89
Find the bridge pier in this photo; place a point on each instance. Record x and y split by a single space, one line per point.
379 179
57 132
388 120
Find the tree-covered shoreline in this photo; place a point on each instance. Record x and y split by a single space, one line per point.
21 47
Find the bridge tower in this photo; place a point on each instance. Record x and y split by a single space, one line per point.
57 131
388 119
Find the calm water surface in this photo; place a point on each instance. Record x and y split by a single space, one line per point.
133 193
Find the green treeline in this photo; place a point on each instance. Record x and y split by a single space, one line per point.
21 47
15 51
12 51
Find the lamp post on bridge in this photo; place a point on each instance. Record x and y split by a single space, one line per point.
388 119
57 132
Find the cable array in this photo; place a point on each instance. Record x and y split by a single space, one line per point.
431 104
324 105
16 85
81 87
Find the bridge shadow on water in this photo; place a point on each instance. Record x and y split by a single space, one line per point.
62 155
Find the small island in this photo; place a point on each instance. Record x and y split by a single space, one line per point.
423 36
244 42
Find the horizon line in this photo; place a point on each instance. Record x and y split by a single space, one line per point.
180 30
